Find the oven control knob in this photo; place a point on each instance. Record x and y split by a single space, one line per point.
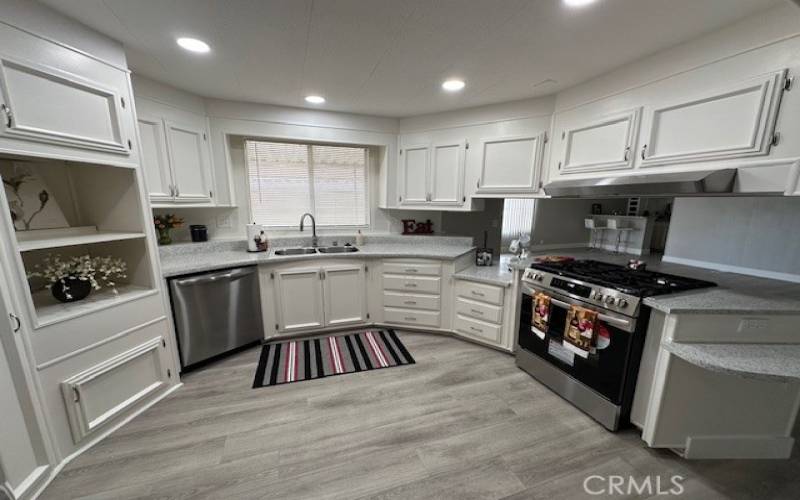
538 277
622 303
610 300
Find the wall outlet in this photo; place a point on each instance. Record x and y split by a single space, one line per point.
224 221
753 324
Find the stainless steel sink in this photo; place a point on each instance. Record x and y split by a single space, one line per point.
295 251
337 249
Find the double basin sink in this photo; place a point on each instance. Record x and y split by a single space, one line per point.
315 250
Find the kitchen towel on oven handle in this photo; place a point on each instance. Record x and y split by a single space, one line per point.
541 314
580 331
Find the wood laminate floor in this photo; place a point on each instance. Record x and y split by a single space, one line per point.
462 423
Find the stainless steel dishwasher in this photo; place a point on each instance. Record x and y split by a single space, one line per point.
216 312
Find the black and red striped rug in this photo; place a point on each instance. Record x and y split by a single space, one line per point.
296 360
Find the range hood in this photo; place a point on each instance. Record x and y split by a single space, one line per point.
672 184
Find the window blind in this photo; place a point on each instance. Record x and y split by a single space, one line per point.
517 219
286 180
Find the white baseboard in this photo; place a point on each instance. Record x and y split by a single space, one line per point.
761 273
102 435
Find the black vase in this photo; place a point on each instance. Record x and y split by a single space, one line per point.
71 289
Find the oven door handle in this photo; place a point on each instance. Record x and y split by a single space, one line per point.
622 323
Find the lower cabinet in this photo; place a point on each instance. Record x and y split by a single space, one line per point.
319 296
412 293
479 313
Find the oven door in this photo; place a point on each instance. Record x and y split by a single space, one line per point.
605 369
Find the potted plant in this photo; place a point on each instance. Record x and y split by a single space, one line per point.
72 279
164 223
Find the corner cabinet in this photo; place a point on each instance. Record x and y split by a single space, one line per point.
433 174
729 123
66 104
511 165
334 294
176 157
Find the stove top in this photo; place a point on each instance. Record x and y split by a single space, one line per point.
621 278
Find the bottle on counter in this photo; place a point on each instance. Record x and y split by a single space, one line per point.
359 238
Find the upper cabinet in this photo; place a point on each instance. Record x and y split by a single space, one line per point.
603 144
175 155
728 123
432 175
65 104
511 165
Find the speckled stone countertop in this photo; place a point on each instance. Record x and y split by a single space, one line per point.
496 274
734 293
188 258
764 361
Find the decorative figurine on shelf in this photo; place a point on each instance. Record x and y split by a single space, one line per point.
410 226
72 279
164 223
17 207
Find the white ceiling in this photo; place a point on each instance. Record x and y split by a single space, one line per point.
389 57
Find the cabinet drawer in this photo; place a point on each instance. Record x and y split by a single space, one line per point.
412 268
479 291
424 284
478 329
411 301
411 317
479 310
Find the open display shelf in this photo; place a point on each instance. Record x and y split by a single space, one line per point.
49 310
54 238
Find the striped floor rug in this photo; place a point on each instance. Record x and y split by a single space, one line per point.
292 361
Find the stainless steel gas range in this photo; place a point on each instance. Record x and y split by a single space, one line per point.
602 383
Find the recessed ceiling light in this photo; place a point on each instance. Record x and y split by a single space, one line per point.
194 45
578 3
453 85
315 99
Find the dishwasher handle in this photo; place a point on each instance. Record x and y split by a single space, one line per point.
228 275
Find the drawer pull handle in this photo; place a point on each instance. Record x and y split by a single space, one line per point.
479 294
476 311
410 318
410 302
475 329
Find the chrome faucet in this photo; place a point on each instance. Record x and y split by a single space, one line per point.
313 227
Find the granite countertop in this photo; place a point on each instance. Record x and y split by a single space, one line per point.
734 293
191 258
764 361
496 274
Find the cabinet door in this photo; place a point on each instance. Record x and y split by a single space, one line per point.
155 163
447 173
299 299
603 144
414 175
188 156
511 165
735 122
344 295
44 104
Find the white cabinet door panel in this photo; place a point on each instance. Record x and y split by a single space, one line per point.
189 159
344 295
299 299
42 103
155 163
605 144
511 164
730 123
414 175
447 174
477 329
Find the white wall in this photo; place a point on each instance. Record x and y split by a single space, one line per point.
758 236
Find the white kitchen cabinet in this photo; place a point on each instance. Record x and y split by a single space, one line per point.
433 175
511 165
344 294
176 157
58 102
601 144
729 123
299 299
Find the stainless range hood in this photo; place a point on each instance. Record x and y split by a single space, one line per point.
673 184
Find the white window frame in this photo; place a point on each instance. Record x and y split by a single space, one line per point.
320 228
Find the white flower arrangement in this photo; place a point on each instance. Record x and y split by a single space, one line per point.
98 271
